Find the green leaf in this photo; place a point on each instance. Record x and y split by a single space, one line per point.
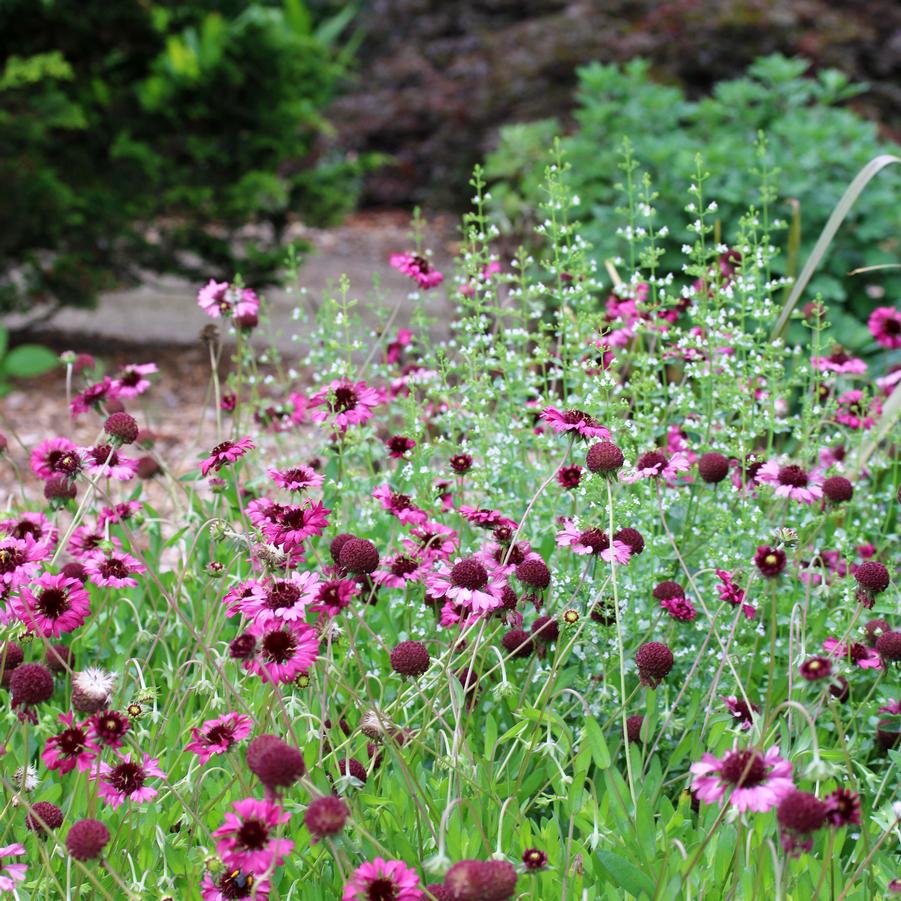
598 744
626 874
28 360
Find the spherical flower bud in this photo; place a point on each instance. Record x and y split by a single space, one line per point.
604 457
122 428
439 892
148 467
667 589
350 766
838 489
517 643
359 556
242 647
632 537
872 576
654 660
11 656
410 658
800 814
31 683
545 629
326 816
87 839
59 489
888 646
336 544
59 658
633 728
713 467
274 762
874 628
42 817
533 571
499 880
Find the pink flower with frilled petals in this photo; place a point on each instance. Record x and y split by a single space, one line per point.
398 570
94 395
297 478
283 651
378 879
747 779
432 540
655 464
70 748
250 591
86 541
885 326
31 523
730 592
214 299
132 379
854 413
295 523
104 461
114 570
127 780
248 839
468 583
400 505
52 605
283 600
486 518
344 403
20 559
418 268
791 481
11 873
864 657
219 736
334 595
225 453
56 457
838 361
575 421
592 541
231 884
679 608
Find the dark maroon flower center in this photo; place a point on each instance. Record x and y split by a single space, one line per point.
652 459
221 734
403 566
11 559
510 556
221 449
743 769
382 890
101 453
596 539
113 568
858 652
63 461
130 378
25 527
236 884
111 726
891 326
279 646
53 602
127 778
71 742
253 834
295 477
401 502
345 399
838 356
469 574
282 595
794 476
330 595
422 264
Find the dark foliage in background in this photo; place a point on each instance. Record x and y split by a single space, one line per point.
143 134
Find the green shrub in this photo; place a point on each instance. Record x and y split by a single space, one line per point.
814 148
138 134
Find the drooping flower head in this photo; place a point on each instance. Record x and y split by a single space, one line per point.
855 653
744 778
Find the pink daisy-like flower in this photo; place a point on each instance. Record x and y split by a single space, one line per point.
283 600
791 481
219 735
679 608
11 873
398 570
295 524
654 464
104 461
431 541
70 748
52 606
840 362
247 308
576 421
86 541
400 505
247 839
486 518
283 652
215 299
234 884
334 595
383 880
120 513
885 326
113 570
418 268
730 592
298 478
56 457
345 403
468 583
854 413
593 541
753 781
20 559
31 523
94 395
249 592
886 383
856 653
127 781
225 453
262 512
132 379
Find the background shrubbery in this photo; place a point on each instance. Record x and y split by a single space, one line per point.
814 149
128 129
